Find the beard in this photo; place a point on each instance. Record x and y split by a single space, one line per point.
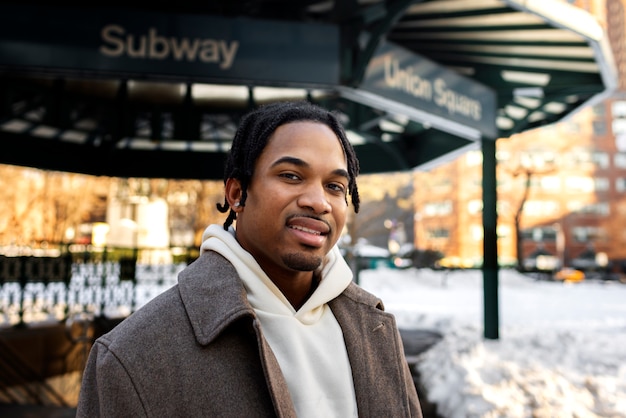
302 262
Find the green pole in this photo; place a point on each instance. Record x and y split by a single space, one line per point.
490 241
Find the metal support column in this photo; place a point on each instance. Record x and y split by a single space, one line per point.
490 241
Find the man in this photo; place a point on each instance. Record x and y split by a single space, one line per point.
267 321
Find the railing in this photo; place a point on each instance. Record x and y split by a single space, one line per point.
45 289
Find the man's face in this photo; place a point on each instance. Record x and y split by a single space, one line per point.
296 205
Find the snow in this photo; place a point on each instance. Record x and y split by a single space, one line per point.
561 350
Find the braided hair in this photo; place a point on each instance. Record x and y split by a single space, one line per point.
254 132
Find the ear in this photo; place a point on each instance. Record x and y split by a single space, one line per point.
233 193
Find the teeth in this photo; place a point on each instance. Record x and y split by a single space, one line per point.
310 231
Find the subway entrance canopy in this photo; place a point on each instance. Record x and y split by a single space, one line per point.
135 89
156 89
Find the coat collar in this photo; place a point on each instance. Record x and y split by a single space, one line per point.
211 277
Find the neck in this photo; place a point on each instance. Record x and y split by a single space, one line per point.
299 291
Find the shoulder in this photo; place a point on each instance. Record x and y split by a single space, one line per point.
208 260
356 294
360 295
161 315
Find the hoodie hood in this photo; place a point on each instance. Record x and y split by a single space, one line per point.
263 293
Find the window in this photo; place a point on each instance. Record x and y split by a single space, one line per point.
474 158
502 206
476 232
581 208
541 234
551 184
620 142
576 158
503 231
599 127
441 185
601 184
619 126
537 159
582 157
541 208
600 159
437 233
438 208
599 109
578 184
588 233
620 184
619 109
475 206
619 159
503 156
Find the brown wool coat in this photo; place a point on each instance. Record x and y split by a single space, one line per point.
197 350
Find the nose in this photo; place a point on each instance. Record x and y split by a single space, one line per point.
314 197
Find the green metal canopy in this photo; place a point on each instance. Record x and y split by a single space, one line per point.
136 89
415 82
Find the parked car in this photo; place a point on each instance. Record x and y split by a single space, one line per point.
569 275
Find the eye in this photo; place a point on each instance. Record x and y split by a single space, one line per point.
337 187
289 176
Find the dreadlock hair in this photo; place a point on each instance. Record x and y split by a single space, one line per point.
256 128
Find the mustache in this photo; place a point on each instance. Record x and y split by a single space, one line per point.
308 215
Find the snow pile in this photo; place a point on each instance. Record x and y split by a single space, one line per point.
561 351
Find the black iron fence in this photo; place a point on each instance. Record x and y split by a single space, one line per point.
44 289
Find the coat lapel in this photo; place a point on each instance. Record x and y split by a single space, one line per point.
210 319
375 351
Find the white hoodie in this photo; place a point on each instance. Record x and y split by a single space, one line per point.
308 343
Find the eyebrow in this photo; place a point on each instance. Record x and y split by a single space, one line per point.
301 163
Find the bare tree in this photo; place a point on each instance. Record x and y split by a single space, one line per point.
528 174
193 205
519 251
41 205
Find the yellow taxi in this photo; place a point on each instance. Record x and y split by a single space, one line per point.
569 275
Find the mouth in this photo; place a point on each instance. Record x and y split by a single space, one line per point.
310 232
309 225
307 230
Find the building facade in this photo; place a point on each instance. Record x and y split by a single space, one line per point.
561 189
